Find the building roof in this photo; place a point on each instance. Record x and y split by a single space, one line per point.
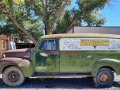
103 30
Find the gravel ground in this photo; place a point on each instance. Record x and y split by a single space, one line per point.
60 84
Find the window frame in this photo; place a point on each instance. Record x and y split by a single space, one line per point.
57 45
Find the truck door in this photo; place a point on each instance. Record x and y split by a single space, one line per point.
47 58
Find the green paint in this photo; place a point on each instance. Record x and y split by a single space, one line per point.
47 64
78 61
56 61
29 71
74 61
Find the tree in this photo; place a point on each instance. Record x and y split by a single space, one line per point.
87 13
13 9
6 29
31 16
48 12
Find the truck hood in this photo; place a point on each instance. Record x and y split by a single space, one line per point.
20 53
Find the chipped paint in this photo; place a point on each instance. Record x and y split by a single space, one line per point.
71 56
88 44
24 63
17 53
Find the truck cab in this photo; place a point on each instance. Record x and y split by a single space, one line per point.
65 56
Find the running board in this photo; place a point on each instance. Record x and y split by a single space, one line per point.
63 75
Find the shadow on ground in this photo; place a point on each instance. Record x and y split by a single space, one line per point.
82 83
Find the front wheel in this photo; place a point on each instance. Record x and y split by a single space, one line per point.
13 76
104 78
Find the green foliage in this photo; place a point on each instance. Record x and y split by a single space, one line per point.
63 24
37 16
48 11
34 28
86 14
24 17
5 29
8 28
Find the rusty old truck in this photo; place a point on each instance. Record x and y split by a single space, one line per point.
65 56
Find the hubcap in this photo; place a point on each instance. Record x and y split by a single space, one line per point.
104 77
13 76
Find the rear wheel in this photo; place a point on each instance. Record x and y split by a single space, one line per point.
13 76
104 78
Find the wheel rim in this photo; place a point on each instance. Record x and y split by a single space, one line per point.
13 76
104 77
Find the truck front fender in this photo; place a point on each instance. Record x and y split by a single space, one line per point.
24 64
113 64
8 61
27 67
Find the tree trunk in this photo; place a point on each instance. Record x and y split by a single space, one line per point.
48 31
22 28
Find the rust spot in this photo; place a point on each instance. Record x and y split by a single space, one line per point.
11 59
17 53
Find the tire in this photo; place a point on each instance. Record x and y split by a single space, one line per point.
104 78
13 76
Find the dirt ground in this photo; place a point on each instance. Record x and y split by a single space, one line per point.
60 84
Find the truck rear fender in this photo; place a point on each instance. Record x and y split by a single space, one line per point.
112 64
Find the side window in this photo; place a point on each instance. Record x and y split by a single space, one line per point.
49 45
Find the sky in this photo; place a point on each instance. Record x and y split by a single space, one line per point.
111 12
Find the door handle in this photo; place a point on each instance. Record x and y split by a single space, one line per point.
89 57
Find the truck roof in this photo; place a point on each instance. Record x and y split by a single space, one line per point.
82 35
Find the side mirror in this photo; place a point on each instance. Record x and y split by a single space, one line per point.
44 54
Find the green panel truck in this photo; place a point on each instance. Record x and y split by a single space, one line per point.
65 56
